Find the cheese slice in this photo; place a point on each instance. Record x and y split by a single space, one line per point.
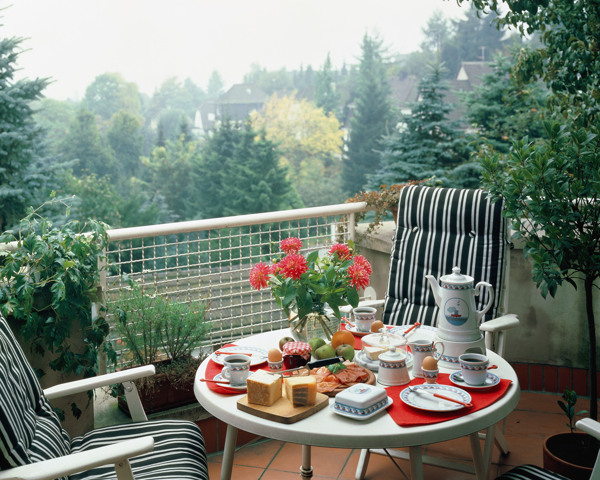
263 388
374 352
301 391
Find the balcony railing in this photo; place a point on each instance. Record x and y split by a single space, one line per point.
210 260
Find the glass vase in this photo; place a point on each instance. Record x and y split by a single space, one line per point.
315 324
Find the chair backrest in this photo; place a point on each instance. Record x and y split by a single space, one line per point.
438 229
31 430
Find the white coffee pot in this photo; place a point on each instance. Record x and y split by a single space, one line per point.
458 319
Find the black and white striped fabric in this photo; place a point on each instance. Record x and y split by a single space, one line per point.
438 229
530 472
31 431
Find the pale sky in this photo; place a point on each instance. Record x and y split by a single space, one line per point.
148 41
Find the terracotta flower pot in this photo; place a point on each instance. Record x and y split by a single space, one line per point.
571 454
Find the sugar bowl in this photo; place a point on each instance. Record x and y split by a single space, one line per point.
392 368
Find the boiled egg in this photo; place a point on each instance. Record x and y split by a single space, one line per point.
274 355
430 363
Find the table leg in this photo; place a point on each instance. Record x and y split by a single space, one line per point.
482 462
228 451
306 469
416 463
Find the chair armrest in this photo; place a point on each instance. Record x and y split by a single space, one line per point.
86 384
505 322
81 461
589 426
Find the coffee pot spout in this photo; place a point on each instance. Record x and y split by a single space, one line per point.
435 288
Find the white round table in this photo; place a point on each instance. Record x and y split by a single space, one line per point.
327 429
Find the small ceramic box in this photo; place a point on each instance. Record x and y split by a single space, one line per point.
360 400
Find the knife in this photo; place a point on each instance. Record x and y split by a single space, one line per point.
310 365
439 395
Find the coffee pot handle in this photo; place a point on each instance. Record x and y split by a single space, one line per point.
482 312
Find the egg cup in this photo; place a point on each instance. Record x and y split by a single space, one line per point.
276 365
430 376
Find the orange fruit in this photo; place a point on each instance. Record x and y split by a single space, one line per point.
342 337
376 326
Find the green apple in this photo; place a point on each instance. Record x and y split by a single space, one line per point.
316 343
324 351
346 351
283 341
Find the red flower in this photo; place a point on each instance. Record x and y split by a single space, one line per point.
291 245
259 275
359 276
293 266
342 251
364 263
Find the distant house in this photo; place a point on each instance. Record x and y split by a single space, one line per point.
235 105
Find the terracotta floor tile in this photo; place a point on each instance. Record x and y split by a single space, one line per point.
533 424
239 472
260 454
523 450
539 402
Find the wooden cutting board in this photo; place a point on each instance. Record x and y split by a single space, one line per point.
282 410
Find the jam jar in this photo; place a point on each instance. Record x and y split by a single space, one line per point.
295 354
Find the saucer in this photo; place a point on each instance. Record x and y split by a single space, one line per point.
259 355
352 329
218 376
491 380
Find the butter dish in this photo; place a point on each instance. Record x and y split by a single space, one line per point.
361 401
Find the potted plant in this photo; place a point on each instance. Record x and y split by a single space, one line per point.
156 330
304 286
383 201
571 454
49 280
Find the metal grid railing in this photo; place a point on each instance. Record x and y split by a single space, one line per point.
210 260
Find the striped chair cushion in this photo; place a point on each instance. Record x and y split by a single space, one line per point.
530 472
178 454
438 229
30 431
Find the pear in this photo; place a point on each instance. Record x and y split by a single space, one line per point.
324 351
346 351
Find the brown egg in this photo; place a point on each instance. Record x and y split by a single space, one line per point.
376 326
274 355
430 363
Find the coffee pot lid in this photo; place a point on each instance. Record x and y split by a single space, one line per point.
457 278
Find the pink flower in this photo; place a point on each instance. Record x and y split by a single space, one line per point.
359 276
293 266
342 251
364 263
259 275
291 245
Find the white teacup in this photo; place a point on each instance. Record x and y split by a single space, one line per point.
364 318
473 367
236 369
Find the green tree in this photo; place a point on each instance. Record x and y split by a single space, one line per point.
371 117
326 94
502 109
474 39
54 117
21 141
173 95
170 168
428 144
85 144
124 136
215 85
239 173
109 93
568 58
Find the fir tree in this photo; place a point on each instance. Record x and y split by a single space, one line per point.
22 166
326 95
428 144
371 117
